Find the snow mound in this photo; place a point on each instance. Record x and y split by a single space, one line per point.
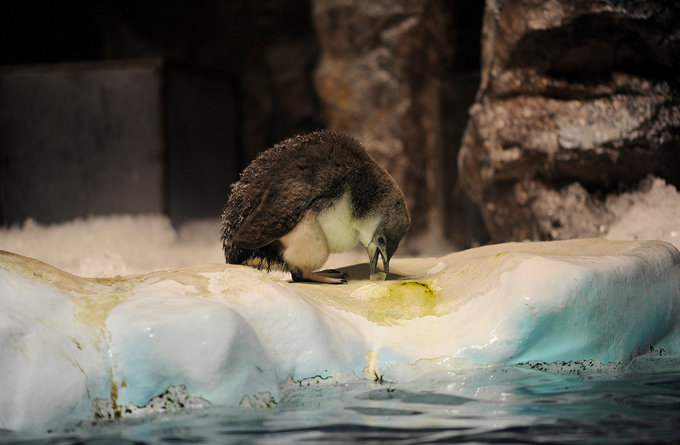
105 246
229 334
652 212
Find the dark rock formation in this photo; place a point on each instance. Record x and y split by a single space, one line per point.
378 79
268 47
578 99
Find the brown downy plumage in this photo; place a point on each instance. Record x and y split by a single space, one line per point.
309 196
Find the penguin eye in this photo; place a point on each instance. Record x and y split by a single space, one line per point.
381 240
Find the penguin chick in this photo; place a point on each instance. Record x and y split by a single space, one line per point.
309 196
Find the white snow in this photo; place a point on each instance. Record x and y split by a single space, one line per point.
115 245
230 334
652 212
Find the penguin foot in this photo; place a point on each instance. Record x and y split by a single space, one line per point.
329 276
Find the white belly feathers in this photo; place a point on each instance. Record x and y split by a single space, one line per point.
332 230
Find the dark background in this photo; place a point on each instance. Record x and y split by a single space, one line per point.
227 80
490 115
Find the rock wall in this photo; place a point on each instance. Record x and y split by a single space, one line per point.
378 79
578 99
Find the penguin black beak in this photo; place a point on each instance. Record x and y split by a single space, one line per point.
375 250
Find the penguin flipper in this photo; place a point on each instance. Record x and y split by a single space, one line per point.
277 214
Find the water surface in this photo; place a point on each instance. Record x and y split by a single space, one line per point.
537 403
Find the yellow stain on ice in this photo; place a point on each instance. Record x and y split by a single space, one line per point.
95 298
370 371
404 300
94 307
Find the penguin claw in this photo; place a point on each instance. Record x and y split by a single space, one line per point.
334 273
330 276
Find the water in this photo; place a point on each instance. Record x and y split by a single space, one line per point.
499 404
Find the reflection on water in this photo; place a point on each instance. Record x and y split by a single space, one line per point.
506 404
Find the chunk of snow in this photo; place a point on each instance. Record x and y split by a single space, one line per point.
652 212
105 246
231 333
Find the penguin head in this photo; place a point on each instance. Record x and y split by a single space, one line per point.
392 228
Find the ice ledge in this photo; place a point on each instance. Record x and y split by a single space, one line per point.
226 332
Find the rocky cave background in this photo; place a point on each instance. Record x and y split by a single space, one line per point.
505 120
